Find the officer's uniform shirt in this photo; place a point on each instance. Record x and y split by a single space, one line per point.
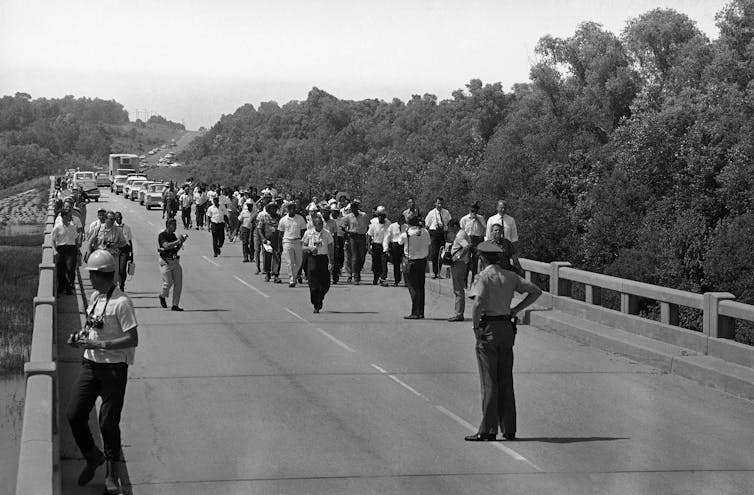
119 317
415 242
217 214
473 224
493 289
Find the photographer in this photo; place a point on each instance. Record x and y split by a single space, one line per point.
170 266
109 339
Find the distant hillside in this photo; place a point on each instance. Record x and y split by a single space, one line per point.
39 137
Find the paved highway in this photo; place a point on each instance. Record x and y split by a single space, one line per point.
247 391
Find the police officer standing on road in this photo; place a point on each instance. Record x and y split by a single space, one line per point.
170 266
109 339
494 328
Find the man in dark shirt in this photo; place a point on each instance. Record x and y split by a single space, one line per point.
170 267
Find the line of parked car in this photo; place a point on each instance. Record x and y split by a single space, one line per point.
137 187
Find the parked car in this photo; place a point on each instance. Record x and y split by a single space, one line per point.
153 196
143 191
103 180
119 181
129 180
133 189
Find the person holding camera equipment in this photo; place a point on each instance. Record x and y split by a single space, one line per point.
109 339
494 325
170 267
109 236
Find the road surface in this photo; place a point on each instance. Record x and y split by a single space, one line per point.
247 391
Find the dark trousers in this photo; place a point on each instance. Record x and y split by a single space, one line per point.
272 260
186 217
258 249
358 244
494 353
474 261
66 266
379 262
437 241
105 380
318 278
339 254
415 282
303 268
396 256
218 236
123 259
247 241
200 212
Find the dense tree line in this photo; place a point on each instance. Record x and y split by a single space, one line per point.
628 154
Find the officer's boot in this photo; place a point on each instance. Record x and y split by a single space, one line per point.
112 486
94 459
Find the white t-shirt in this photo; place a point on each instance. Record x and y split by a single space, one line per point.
64 235
217 214
292 227
377 231
119 317
393 234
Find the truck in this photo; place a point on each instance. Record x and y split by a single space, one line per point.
88 184
122 164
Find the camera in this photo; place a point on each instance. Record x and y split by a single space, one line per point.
94 322
74 337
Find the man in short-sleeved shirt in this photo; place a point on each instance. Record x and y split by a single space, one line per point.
217 215
292 226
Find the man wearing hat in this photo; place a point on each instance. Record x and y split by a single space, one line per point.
109 339
473 224
415 241
493 324
356 225
375 236
267 227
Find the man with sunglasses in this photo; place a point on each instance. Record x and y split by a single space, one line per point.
109 339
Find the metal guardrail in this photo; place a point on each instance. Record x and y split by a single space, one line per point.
39 453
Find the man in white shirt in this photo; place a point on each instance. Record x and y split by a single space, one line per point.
510 231
126 254
415 242
97 224
201 201
247 217
218 217
474 225
186 199
393 249
437 223
375 236
356 224
293 227
319 245
66 242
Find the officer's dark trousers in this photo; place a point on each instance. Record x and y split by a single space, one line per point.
415 282
105 380
396 256
437 241
379 263
318 278
494 353
358 244
218 236
246 243
66 266
339 257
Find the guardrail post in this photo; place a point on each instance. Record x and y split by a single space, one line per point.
559 287
717 326
668 313
593 295
629 304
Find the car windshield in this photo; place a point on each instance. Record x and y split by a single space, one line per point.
84 175
156 188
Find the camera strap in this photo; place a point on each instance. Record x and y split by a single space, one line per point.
107 300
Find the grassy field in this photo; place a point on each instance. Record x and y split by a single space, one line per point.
19 277
41 184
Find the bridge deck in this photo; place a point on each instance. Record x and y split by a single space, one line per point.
247 391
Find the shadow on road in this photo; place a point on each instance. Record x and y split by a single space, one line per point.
353 312
568 439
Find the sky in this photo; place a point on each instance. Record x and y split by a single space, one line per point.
193 60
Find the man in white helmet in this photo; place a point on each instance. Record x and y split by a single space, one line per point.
109 339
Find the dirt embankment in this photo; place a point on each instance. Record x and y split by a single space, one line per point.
25 208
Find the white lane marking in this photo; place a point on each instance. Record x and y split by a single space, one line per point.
497 445
336 340
407 386
251 287
381 370
207 259
297 316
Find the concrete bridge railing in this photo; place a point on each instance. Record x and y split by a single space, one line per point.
39 456
718 309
